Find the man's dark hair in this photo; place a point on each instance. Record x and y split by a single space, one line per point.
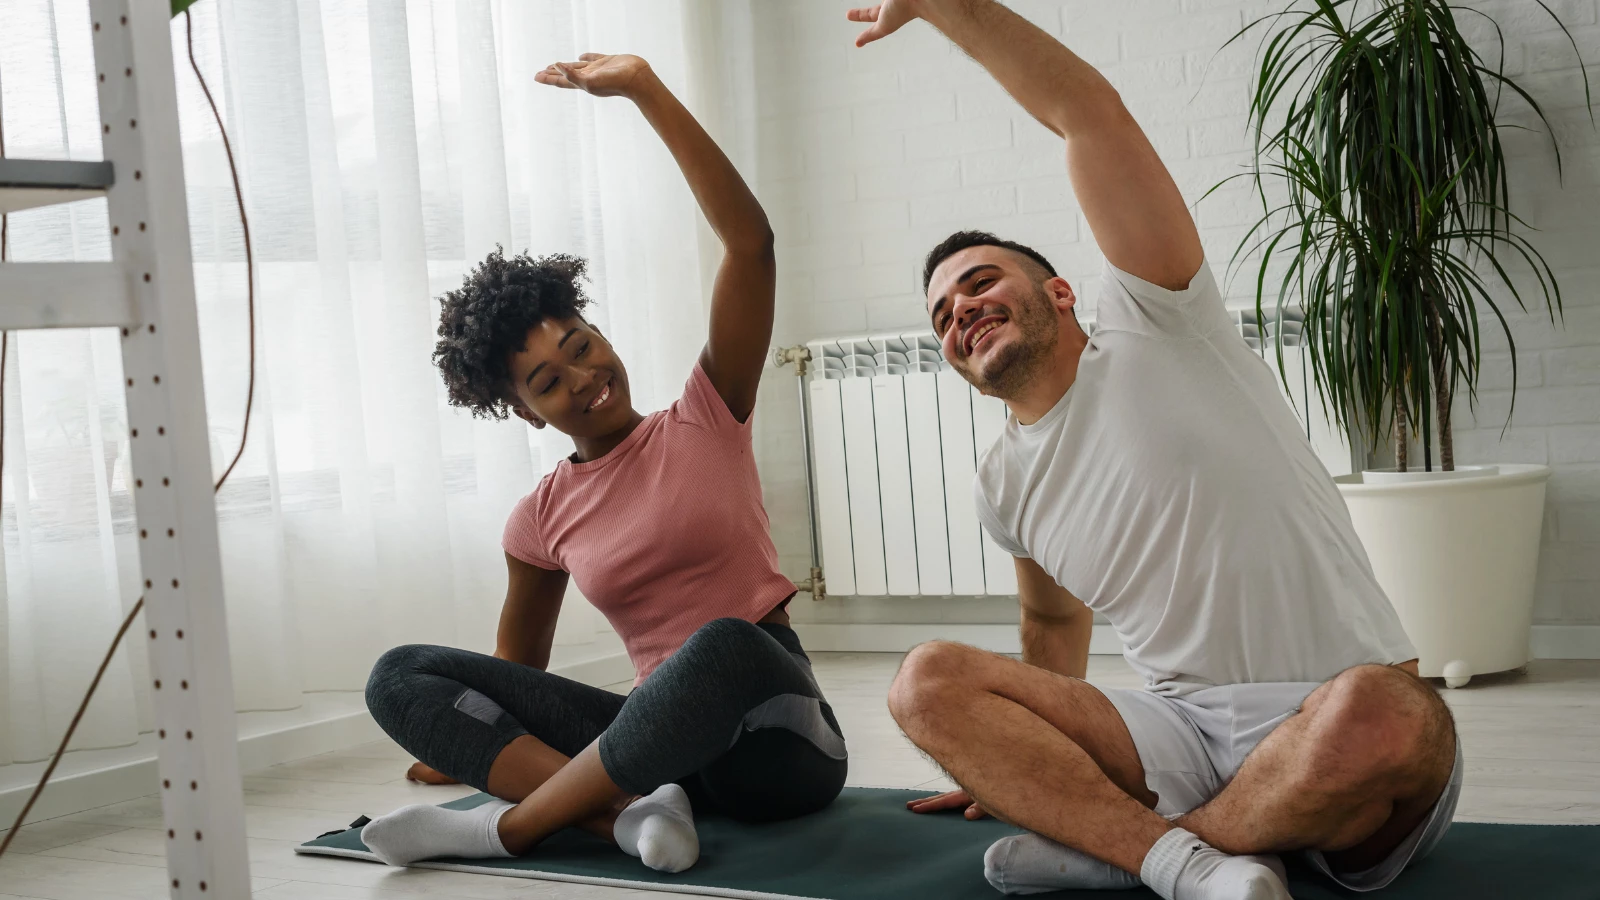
961 240
485 322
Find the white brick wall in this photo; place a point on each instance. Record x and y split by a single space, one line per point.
868 157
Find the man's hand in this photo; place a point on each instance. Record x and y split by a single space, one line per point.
599 74
886 19
1127 195
424 774
949 800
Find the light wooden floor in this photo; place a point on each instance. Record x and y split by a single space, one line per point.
1532 744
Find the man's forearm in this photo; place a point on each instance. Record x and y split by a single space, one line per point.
1055 86
1057 644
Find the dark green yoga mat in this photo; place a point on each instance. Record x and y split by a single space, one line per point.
866 846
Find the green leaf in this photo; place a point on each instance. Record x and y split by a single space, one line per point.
1386 213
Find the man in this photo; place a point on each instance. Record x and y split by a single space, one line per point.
1153 473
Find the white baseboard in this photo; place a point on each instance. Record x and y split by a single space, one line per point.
858 638
134 774
1546 642
1565 642
130 772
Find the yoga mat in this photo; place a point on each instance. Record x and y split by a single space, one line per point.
866 846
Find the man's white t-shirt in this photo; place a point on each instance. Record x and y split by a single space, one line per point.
1174 491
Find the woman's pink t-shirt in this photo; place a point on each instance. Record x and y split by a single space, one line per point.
663 534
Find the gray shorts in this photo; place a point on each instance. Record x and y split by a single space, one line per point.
1191 746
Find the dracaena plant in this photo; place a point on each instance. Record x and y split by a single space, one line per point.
1386 214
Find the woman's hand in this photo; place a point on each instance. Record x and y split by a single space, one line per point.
600 74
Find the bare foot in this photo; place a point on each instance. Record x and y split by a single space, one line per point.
426 775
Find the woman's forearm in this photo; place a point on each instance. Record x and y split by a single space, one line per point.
727 202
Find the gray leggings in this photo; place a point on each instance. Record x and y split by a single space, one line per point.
735 715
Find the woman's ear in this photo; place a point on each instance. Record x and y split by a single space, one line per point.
527 415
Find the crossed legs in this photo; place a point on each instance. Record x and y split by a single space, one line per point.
557 753
1351 775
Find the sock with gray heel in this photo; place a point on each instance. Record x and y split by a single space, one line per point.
1032 864
1182 867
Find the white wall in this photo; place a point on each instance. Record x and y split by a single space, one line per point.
868 157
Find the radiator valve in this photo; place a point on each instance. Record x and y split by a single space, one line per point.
815 585
799 355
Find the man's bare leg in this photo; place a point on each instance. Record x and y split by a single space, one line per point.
1052 755
1352 774
1039 750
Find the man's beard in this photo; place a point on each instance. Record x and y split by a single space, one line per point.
1008 370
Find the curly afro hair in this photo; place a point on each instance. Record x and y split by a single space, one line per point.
485 322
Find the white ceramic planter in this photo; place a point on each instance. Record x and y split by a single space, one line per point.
1458 556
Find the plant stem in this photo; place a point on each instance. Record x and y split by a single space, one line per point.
1400 417
1441 385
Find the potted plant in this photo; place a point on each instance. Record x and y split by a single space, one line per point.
1387 219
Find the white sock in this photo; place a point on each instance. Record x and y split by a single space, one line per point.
418 832
659 829
1182 867
1032 864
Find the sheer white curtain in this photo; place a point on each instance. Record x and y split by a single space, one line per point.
384 146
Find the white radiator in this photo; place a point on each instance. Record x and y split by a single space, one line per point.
895 436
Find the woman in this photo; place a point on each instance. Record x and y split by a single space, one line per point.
659 518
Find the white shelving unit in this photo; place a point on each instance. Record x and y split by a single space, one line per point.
147 291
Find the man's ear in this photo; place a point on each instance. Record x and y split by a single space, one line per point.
1061 293
527 415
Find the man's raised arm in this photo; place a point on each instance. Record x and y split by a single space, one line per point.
1129 199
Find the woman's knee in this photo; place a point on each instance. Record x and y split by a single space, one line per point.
392 673
726 633
393 666
731 653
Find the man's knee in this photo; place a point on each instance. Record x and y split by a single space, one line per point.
927 675
1377 720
